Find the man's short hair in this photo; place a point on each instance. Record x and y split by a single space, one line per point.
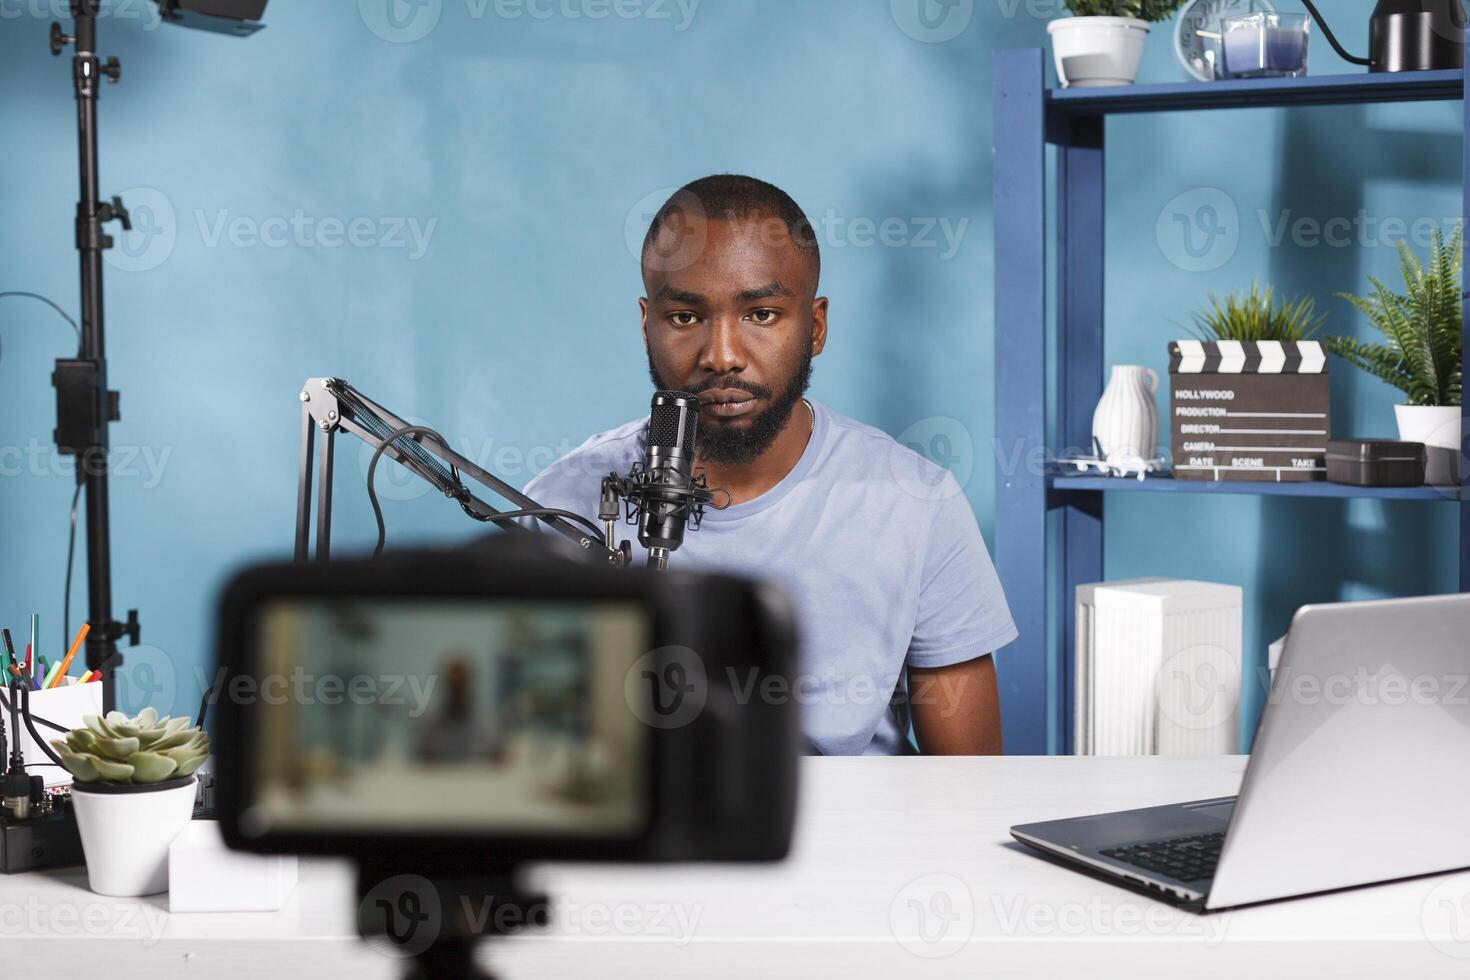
731 197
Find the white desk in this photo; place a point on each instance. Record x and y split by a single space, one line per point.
878 839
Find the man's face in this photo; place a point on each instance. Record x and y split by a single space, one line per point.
732 316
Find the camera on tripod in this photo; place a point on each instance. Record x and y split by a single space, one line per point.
454 715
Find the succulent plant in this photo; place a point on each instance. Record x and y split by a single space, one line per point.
122 750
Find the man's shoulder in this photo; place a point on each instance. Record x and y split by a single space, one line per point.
579 471
861 444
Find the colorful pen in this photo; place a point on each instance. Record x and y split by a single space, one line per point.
75 646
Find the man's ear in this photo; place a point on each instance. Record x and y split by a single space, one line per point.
643 316
819 325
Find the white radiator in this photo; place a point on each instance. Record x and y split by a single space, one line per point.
1158 668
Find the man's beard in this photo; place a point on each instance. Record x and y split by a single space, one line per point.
730 445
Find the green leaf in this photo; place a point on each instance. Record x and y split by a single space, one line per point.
112 772
81 740
117 749
1256 316
122 724
80 765
173 741
187 767
1421 326
1150 10
150 767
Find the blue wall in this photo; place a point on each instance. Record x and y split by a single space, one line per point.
525 152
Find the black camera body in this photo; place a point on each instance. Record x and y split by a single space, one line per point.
706 769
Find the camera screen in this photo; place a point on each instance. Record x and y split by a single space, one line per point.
452 715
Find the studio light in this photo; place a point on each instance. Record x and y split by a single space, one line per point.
240 18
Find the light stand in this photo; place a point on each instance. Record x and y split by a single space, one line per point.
84 405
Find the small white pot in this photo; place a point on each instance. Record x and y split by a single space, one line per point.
1097 51
1439 428
126 831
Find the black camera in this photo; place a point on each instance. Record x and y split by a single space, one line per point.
456 714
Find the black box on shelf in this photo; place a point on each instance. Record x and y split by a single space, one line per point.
1376 463
1249 411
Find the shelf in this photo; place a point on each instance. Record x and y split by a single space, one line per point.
1050 223
1262 489
1417 86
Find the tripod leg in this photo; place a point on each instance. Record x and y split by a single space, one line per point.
448 959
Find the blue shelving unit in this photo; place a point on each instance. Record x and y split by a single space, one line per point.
1028 117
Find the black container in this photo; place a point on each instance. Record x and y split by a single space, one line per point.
1417 35
1376 463
1407 35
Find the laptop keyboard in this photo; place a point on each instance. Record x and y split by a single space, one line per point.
1180 858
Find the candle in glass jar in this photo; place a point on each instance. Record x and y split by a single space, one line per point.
1255 46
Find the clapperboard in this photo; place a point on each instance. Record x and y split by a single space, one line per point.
1249 410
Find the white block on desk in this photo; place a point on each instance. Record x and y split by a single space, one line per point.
206 876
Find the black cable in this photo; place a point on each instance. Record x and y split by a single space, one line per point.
595 531
35 735
25 710
204 702
460 492
372 491
1327 32
24 703
71 554
60 312
71 548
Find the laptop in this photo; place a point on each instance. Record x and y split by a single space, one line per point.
1358 774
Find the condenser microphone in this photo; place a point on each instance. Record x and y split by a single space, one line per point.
668 492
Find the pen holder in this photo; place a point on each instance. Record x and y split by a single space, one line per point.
64 705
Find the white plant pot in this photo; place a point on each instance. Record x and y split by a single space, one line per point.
1097 51
1126 421
1438 427
126 831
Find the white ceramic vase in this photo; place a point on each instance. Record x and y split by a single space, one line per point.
1439 428
1126 422
126 831
1097 51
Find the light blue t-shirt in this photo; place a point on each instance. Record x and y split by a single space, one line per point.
877 547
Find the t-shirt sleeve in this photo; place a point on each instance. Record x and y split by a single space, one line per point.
557 487
962 610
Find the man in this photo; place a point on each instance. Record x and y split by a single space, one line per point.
898 602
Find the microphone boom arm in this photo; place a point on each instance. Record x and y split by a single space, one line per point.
331 405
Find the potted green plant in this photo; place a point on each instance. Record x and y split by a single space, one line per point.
1254 358
1422 350
1257 316
1102 42
133 792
